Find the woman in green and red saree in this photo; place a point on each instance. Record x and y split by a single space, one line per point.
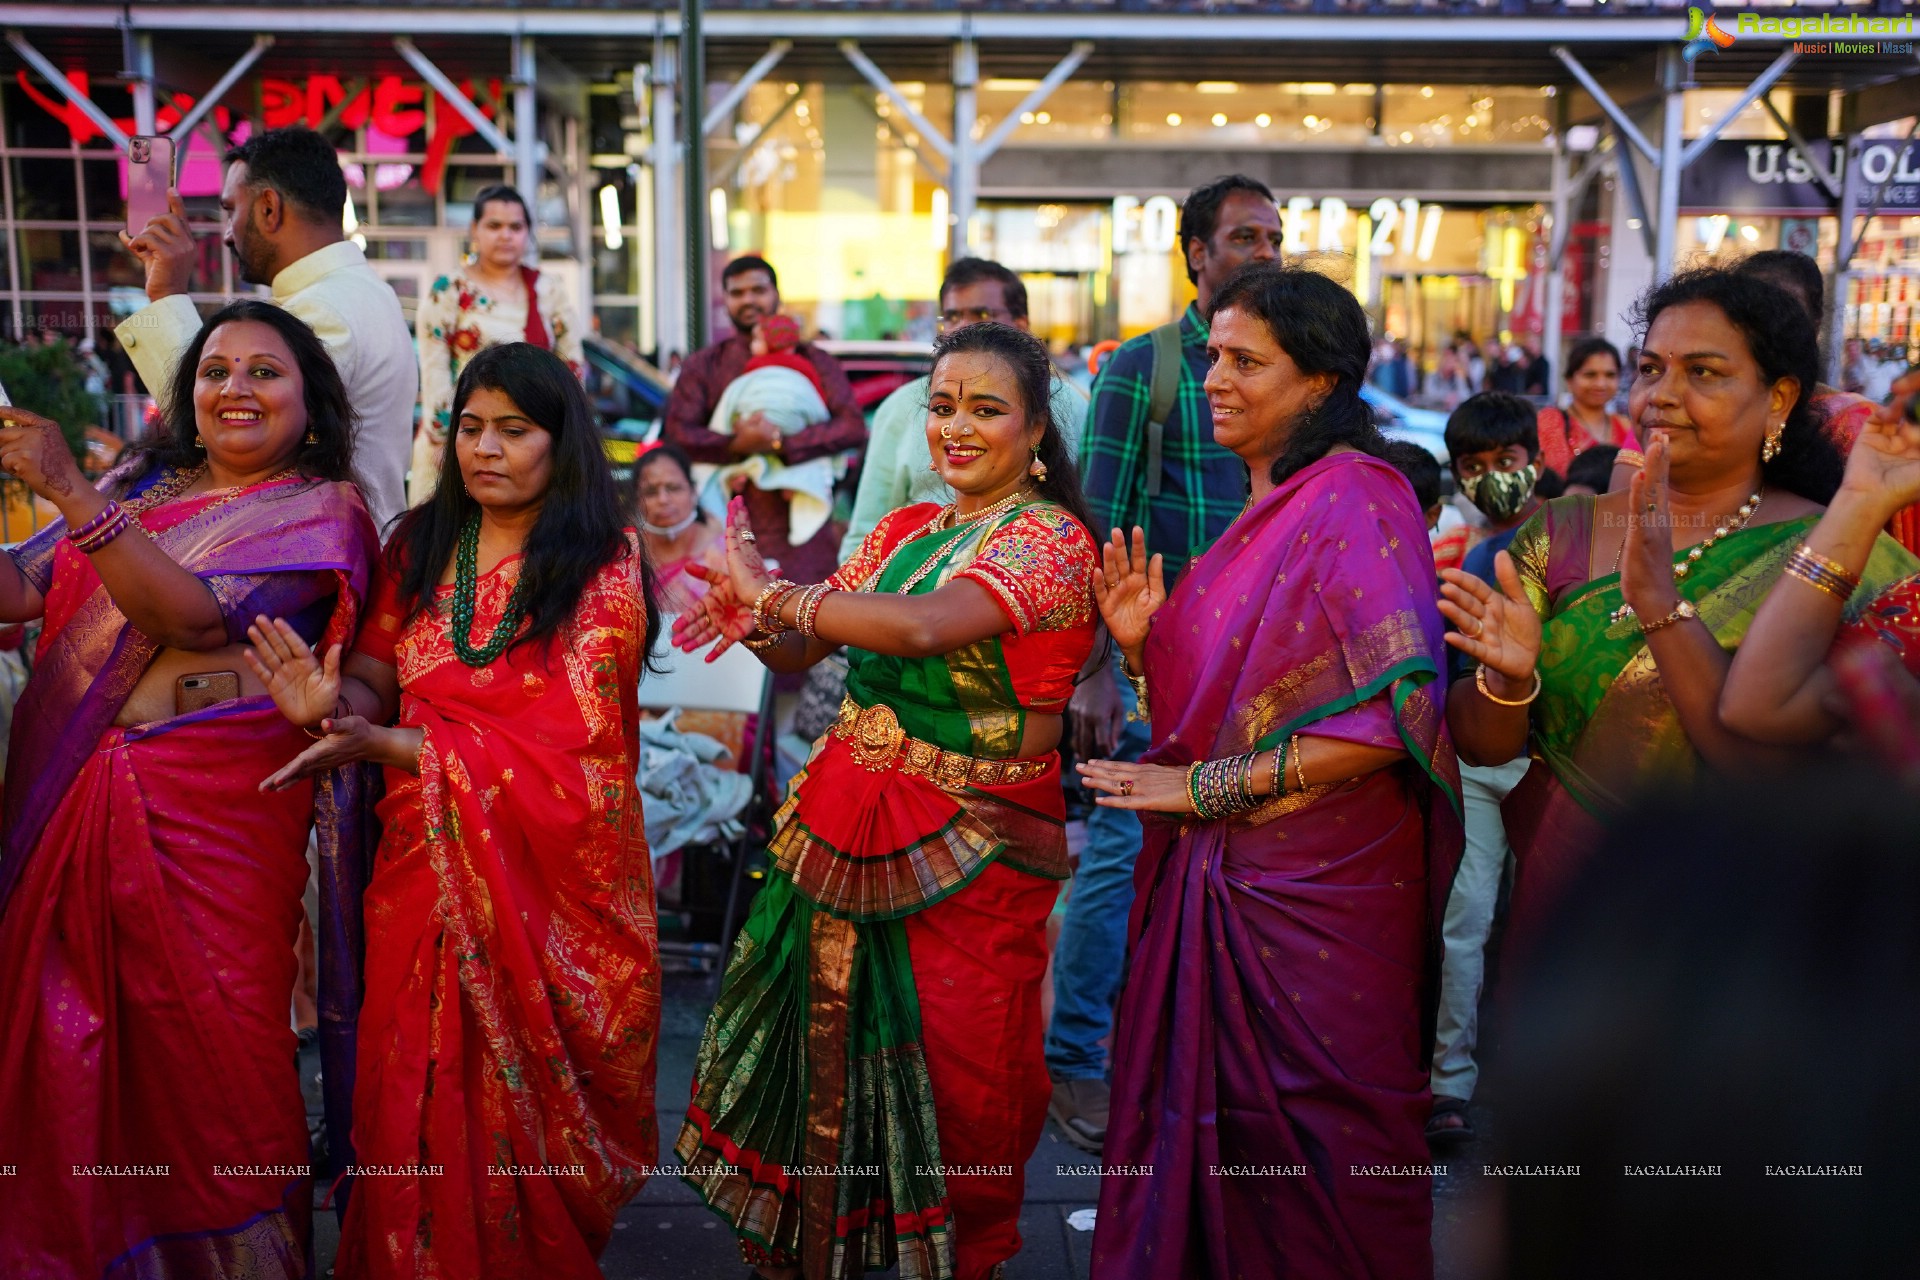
871 1081
1271 1050
505 1080
150 1113
1606 646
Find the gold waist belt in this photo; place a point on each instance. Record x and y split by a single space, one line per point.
878 742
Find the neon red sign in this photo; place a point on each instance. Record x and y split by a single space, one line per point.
393 107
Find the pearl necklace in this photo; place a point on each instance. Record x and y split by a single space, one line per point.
1731 525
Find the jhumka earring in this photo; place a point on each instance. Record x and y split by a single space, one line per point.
1770 447
1037 469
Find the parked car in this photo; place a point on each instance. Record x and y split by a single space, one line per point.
877 369
1402 421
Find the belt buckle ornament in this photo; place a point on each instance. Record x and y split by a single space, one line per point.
877 737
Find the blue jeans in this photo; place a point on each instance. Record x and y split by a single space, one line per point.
1090 959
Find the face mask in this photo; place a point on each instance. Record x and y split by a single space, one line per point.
1500 495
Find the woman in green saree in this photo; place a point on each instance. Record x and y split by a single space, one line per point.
871 1082
1604 650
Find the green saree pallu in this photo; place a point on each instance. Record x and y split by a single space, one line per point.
914 866
1604 725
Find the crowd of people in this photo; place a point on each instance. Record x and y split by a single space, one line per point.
1213 598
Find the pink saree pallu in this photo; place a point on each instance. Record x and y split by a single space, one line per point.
149 900
1270 1081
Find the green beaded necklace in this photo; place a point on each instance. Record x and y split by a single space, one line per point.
466 585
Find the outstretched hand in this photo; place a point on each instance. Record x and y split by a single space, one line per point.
1497 629
719 615
303 686
1129 588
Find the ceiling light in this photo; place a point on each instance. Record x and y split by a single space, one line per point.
1263 119
1218 119
1173 118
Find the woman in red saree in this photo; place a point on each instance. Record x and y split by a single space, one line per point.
1271 1050
871 1082
149 1108
503 1108
1812 627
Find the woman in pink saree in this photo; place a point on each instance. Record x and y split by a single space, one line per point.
148 1101
1270 1051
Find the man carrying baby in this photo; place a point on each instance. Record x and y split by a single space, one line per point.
752 293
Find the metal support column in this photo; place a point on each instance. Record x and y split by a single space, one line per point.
1082 50
489 131
669 290
1666 214
526 131
203 107
139 49
964 175
699 235
1836 317
1560 205
80 101
737 94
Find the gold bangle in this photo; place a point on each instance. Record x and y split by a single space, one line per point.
1819 582
1480 683
1629 458
1139 714
1299 765
764 643
1279 768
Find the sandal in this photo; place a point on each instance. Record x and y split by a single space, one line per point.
1449 1121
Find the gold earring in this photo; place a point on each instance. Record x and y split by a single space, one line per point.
1037 469
312 438
1770 447
198 443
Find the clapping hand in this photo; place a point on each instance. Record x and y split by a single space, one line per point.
32 450
304 687
1646 562
719 616
1129 588
349 740
1497 629
1884 466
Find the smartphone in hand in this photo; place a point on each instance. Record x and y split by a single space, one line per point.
149 180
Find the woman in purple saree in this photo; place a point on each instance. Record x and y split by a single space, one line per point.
1269 1053
149 896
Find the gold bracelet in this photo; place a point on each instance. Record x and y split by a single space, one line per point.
1279 768
1480 683
339 701
1140 714
1833 567
764 643
1629 458
1299 765
776 592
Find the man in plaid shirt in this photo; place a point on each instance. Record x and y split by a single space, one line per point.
1200 488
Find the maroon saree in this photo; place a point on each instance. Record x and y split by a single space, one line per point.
1269 1064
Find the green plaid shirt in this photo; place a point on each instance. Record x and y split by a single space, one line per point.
1202 486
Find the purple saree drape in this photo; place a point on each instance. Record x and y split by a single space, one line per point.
1269 1064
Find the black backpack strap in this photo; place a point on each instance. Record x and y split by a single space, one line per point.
1162 393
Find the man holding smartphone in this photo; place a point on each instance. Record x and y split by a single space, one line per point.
283 200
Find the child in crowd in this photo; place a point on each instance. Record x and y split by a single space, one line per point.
1423 473
1494 445
1592 470
780 388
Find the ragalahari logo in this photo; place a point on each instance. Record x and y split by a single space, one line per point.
1702 34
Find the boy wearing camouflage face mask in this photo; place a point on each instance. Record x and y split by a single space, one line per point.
1494 446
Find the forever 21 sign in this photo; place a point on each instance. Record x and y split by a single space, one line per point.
1770 177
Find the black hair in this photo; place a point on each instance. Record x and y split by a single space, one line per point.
1780 336
581 527
1644 1026
1586 349
504 194
1550 484
1798 274
1421 469
330 412
1493 420
1323 330
665 449
966 271
1593 467
1200 215
745 263
301 165
1033 371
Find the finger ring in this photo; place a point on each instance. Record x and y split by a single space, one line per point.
1652 507
1126 787
746 535
1478 627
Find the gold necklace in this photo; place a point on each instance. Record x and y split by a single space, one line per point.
960 522
1731 525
